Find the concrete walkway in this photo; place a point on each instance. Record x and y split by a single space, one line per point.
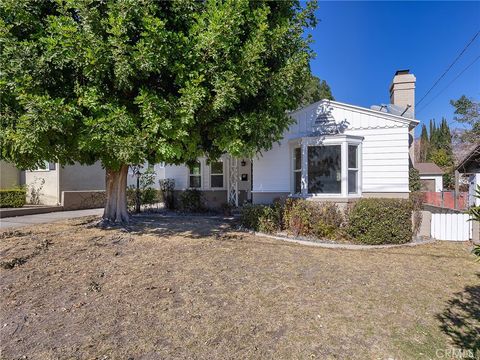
18 221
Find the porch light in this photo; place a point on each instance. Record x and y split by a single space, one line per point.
243 163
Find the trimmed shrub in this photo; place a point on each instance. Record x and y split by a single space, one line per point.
167 187
381 221
250 216
270 220
191 200
262 217
309 218
14 198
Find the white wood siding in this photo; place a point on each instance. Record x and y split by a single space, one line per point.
181 175
271 170
385 150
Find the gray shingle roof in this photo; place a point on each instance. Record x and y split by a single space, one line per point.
428 169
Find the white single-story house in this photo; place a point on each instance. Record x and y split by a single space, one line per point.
431 176
333 151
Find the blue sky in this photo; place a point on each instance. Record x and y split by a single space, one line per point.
359 45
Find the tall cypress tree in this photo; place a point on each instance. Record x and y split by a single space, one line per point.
433 136
424 144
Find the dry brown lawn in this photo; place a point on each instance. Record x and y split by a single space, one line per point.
188 288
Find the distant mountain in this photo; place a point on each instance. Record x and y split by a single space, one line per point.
460 148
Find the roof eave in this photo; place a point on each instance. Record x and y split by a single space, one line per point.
412 123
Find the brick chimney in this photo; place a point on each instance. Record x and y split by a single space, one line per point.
402 90
402 94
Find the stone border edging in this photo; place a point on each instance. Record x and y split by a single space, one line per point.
339 246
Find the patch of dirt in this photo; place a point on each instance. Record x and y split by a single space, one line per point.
193 287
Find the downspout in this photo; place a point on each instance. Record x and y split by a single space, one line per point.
59 195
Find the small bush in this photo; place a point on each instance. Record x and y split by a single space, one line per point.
381 221
250 216
14 198
309 218
191 200
270 220
167 187
226 209
149 196
265 218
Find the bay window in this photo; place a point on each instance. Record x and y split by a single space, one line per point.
297 170
325 169
326 166
352 169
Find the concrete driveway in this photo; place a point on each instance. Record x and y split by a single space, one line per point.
18 221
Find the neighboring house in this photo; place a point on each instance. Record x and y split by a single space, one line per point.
333 151
470 166
72 186
10 176
431 176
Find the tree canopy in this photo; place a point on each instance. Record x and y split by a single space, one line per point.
126 81
468 112
316 90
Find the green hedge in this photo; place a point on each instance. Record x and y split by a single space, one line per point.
381 221
311 218
14 198
298 217
368 221
261 217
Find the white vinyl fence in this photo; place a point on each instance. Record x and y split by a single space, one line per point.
449 225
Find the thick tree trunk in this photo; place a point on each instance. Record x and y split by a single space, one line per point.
116 204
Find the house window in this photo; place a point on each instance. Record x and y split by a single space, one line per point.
352 169
195 175
216 174
325 169
46 166
297 170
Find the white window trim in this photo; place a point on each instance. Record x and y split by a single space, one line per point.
46 169
199 175
343 141
223 175
357 169
296 170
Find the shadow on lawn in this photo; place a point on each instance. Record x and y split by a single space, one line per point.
190 226
461 319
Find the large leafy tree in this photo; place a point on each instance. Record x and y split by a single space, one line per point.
127 81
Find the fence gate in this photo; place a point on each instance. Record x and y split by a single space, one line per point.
449 225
